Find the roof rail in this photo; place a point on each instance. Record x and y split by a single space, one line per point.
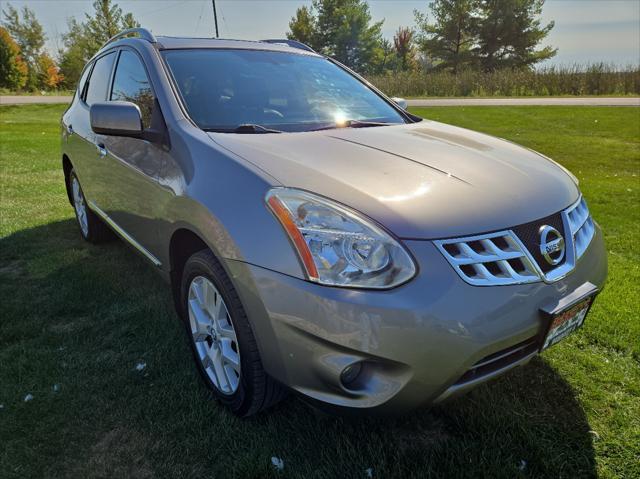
143 32
290 43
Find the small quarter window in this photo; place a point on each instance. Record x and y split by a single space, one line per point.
131 83
83 80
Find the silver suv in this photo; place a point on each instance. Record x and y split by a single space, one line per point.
318 237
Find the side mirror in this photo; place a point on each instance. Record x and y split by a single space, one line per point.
116 118
401 102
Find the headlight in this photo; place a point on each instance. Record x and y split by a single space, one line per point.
337 246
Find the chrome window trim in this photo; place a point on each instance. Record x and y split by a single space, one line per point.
126 236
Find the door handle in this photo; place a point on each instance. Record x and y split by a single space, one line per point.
102 151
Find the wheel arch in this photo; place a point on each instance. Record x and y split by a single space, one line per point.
67 166
183 244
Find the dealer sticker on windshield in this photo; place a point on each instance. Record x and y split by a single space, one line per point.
567 321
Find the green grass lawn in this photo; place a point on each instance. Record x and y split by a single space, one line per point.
76 319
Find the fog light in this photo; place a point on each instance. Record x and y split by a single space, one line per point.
350 374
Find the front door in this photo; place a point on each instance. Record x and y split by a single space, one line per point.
131 166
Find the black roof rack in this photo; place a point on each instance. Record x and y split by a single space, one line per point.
142 32
290 43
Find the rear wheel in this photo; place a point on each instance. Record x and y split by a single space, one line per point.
92 228
224 348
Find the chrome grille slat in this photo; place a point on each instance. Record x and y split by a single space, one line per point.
493 257
491 266
581 226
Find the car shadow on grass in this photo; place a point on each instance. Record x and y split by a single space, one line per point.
98 322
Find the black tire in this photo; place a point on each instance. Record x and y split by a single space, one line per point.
256 389
96 231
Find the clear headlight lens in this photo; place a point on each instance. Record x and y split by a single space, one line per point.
337 246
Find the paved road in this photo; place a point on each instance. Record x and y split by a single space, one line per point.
24 100
575 101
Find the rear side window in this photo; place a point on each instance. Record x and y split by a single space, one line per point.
131 83
99 80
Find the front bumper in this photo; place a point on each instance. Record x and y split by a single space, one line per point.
417 341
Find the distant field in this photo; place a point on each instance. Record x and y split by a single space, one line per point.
598 79
76 319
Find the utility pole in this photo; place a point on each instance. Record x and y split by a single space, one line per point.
215 17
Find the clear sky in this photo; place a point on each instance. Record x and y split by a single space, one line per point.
585 30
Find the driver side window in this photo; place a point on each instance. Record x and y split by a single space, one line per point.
131 83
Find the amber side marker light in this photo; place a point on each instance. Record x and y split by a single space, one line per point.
284 216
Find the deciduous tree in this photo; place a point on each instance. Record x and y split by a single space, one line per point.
84 39
49 75
403 44
30 37
13 70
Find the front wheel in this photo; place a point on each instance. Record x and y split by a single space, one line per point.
224 348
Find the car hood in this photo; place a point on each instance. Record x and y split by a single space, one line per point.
424 180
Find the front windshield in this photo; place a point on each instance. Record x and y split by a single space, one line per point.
223 89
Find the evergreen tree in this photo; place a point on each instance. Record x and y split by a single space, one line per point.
508 33
303 27
341 29
487 34
447 42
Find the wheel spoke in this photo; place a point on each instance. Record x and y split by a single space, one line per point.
233 377
218 367
196 289
229 356
211 299
206 360
225 330
199 321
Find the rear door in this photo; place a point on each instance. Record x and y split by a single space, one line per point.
81 140
131 166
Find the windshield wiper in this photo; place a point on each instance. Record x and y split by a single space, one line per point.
244 128
254 128
354 124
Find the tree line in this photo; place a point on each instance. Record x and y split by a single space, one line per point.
26 65
452 35
484 35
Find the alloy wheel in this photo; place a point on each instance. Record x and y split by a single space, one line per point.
213 335
80 206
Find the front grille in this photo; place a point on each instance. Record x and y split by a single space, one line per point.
496 361
490 259
513 256
581 225
529 234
